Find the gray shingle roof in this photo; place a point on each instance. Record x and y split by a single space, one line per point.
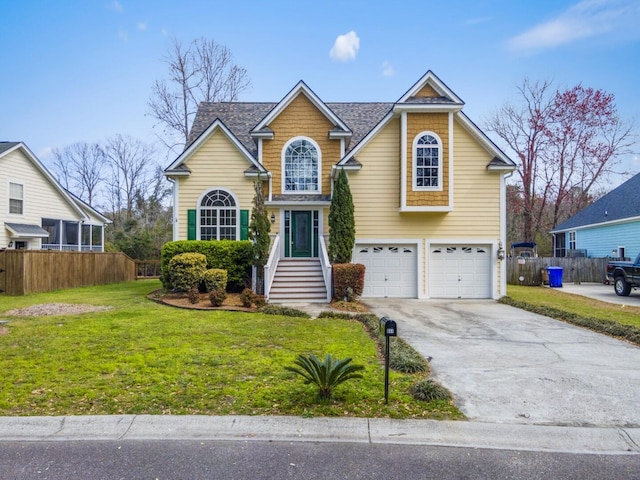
242 117
4 146
27 230
620 203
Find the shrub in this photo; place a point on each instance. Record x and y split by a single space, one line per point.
403 358
285 311
342 230
327 374
348 281
193 295
217 297
186 270
428 391
234 256
259 300
246 297
215 279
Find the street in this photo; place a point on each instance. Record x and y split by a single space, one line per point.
170 459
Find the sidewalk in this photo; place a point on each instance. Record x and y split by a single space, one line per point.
600 440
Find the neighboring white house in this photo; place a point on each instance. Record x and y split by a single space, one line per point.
36 212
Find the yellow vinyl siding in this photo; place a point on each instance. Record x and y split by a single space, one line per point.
437 123
217 163
376 193
427 91
300 118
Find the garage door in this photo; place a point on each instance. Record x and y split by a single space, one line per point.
391 270
460 271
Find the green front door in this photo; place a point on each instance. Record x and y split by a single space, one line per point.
301 230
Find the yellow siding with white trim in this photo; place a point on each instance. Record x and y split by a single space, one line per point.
376 193
41 199
217 163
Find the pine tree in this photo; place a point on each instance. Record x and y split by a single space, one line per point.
342 230
259 228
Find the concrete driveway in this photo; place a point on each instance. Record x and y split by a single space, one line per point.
604 293
507 365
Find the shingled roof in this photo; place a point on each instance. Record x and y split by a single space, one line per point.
241 117
4 146
620 203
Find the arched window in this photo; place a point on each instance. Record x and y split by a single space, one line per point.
218 213
301 165
427 162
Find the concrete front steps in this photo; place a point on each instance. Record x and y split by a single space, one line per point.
298 280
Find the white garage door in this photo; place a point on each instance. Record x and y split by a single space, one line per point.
460 271
391 270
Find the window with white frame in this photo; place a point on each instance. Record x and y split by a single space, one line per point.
16 198
572 240
218 216
301 166
427 162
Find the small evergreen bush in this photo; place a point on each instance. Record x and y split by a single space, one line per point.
327 374
217 297
215 279
285 311
246 297
348 281
186 270
428 391
193 295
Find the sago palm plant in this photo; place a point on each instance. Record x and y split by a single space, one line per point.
325 374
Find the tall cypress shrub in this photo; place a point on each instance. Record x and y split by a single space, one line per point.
342 229
259 228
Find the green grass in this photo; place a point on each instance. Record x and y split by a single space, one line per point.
616 320
141 357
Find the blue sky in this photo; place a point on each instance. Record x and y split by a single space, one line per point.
82 70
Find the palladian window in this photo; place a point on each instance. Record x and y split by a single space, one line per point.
218 215
427 162
301 165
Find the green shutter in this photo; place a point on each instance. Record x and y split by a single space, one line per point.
191 224
244 224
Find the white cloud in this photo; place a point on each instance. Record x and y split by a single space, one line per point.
142 26
387 69
585 19
115 5
345 47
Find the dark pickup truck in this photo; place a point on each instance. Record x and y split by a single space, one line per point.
624 275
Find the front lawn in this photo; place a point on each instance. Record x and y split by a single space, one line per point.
616 320
145 358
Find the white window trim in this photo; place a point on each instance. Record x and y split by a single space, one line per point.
198 210
9 198
414 164
573 239
283 169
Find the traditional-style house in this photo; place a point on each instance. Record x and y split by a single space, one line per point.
428 188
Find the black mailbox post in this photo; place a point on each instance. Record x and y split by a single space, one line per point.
390 329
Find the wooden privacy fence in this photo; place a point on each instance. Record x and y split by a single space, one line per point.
32 271
574 270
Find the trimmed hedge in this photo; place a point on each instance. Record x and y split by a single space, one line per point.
348 280
185 270
215 279
234 256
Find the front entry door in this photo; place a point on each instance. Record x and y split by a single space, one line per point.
301 230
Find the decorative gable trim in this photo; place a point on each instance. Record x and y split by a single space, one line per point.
302 88
45 173
179 168
438 85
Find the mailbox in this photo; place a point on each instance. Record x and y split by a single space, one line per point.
390 329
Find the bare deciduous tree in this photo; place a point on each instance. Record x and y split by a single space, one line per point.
130 160
80 169
566 143
203 71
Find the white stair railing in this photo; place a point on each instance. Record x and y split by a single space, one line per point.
271 266
326 267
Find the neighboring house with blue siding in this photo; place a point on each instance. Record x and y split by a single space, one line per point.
609 227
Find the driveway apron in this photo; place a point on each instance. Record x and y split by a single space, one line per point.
507 365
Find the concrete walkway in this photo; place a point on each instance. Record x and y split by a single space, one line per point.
297 429
602 292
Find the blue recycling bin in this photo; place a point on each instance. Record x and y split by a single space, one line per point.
555 276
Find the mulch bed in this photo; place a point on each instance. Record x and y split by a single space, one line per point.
180 300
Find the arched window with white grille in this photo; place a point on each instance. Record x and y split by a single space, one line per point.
218 216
